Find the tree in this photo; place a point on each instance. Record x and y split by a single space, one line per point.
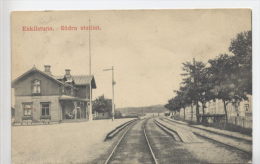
172 105
118 114
102 105
223 86
241 47
225 80
196 81
180 101
204 88
183 98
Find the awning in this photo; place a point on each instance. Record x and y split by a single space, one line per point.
66 97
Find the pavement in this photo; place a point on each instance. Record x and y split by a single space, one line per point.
79 142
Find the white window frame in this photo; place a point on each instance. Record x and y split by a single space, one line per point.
25 109
36 86
44 108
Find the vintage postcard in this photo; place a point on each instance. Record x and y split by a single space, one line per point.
132 86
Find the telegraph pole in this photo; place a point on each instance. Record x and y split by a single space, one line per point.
113 83
113 100
90 87
196 87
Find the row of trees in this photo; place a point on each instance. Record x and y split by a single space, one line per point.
227 77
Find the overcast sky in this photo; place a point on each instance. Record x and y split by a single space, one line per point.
145 47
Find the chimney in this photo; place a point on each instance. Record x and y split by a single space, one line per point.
67 73
47 69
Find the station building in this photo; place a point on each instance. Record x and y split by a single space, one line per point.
41 96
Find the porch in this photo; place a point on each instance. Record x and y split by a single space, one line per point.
73 108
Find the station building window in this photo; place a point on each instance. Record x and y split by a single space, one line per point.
36 87
45 108
27 109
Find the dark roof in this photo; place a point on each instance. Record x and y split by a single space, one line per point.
34 69
81 79
78 79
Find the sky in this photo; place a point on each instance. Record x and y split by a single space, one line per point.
146 47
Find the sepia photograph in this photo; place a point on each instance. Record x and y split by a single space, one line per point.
158 86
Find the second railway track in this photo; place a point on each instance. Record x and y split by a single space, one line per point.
231 142
145 142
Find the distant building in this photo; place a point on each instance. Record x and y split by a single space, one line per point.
103 113
240 115
40 96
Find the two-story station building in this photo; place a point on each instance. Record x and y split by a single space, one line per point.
39 96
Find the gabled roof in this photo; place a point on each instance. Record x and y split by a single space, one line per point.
84 80
81 79
78 79
34 69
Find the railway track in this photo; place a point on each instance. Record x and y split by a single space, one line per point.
234 143
143 141
133 146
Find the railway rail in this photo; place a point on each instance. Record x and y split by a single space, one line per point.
234 143
122 151
147 141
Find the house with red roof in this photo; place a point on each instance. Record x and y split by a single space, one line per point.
42 97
